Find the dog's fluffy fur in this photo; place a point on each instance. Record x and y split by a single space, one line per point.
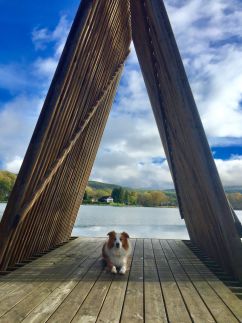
115 252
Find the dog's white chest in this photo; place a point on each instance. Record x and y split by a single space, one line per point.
118 260
117 256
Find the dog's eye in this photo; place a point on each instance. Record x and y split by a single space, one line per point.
121 239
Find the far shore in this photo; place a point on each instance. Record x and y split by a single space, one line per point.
129 205
126 205
118 205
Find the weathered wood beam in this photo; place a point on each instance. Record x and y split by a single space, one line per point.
48 192
202 200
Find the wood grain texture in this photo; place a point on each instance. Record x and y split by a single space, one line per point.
133 308
49 189
112 306
155 310
166 283
201 197
174 302
202 276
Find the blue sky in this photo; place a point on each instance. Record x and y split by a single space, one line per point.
209 36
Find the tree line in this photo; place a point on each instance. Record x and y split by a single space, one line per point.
7 181
120 195
130 197
147 198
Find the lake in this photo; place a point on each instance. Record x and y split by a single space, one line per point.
139 222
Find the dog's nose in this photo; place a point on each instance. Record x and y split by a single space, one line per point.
117 244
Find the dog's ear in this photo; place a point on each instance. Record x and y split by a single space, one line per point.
125 234
111 234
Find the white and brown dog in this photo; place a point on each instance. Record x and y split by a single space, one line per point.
115 252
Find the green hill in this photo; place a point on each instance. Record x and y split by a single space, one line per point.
98 189
233 189
102 186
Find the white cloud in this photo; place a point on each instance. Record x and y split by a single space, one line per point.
18 116
46 66
123 169
209 38
12 77
41 37
132 95
126 152
14 165
230 170
220 105
206 32
60 34
17 120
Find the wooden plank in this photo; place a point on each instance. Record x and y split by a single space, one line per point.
113 304
35 269
155 311
49 295
195 305
133 308
71 304
43 258
174 302
203 276
91 306
166 283
31 293
214 303
53 300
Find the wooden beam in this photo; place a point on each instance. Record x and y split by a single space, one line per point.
201 197
48 192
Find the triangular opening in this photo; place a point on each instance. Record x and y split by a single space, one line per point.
131 156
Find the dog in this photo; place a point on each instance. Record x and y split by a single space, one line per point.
115 252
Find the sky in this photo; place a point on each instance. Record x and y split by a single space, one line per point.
209 37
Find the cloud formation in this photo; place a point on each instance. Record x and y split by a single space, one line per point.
17 120
42 37
28 85
209 37
230 170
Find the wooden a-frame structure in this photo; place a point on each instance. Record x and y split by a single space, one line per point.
45 200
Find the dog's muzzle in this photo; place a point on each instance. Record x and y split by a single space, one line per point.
117 245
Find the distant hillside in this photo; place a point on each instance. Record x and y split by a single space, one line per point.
107 187
101 186
227 189
233 189
98 189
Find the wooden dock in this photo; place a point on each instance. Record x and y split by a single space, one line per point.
166 283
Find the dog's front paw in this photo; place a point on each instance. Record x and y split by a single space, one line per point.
114 270
122 270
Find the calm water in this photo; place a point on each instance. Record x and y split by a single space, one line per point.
139 222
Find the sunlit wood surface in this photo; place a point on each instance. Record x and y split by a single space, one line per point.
166 283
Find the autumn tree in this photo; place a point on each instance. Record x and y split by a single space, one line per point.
158 198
